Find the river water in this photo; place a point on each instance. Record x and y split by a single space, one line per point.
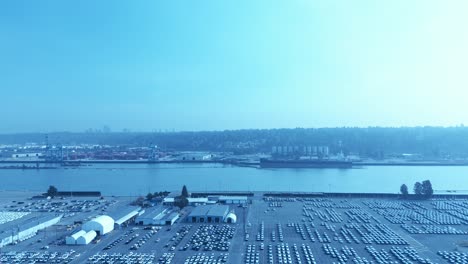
139 179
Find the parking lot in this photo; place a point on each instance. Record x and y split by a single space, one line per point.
271 230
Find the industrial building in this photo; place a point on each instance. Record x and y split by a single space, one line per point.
191 201
148 218
27 229
233 199
168 219
123 217
196 156
158 216
198 200
217 214
209 214
102 225
26 155
168 201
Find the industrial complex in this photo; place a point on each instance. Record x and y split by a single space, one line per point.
23 229
271 228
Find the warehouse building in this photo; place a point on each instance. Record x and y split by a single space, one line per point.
197 200
158 216
102 225
151 215
27 228
217 214
26 155
233 199
32 225
124 216
198 214
169 218
191 201
86 238
208 214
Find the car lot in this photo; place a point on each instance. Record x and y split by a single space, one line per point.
37 257
271 230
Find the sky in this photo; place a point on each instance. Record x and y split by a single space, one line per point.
215 65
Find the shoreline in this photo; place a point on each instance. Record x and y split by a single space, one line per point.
447 194
77 163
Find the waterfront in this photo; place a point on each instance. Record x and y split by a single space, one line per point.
136 179
265 229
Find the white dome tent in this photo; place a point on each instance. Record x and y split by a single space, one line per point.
71 240
102 225
231 218
86 238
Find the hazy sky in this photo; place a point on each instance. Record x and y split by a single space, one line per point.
196 65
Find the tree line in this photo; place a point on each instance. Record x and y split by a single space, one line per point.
421 190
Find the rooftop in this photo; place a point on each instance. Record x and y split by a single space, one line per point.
122 212
154 212
218 210
200 210
211 210
233 198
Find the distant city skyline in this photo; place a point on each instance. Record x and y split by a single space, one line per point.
225 65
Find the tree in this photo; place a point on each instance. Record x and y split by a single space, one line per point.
181 202
139 201
52 191
185 192
418 189
149 196
426 189
404 190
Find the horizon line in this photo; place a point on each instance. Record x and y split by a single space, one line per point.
173 131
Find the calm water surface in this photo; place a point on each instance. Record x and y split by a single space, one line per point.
136 179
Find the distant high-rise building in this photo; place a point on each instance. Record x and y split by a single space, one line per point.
326 151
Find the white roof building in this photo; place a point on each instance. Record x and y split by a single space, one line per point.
231 218
167 219
27 228
169 200
233 199
151 215
86 238
71 240
198 200
102 225
125 215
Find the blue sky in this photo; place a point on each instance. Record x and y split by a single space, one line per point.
214 65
